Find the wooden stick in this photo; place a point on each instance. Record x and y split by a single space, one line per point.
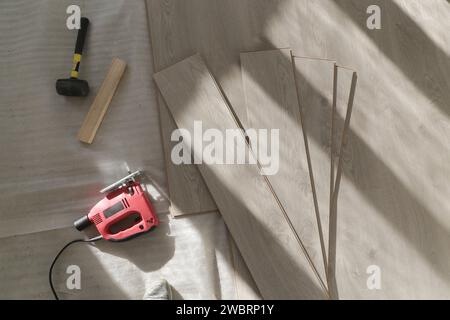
102 100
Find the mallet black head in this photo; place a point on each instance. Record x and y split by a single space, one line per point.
72 87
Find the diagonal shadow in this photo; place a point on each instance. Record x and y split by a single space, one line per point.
431 225
409 47
416 208
359 149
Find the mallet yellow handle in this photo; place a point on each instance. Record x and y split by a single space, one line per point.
75 65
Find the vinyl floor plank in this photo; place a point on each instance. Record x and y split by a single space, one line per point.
187 190
246 288
315 84
272 104
340 150
274 255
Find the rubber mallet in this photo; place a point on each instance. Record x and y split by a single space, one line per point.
74 87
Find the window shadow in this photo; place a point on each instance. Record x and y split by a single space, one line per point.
407 46
223 59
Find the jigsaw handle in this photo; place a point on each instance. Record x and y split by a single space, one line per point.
128 233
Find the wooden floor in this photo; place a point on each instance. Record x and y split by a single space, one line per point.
393 198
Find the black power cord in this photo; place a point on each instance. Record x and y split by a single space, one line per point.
95 239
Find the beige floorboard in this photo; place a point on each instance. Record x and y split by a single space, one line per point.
316 106
272 104
187 190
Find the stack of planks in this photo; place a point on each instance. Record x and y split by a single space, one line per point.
283 224
393 197
280 221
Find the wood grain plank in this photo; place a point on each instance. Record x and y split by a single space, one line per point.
258 224
246 288
271 100
345 94
344 100
101 102
315 85
187 190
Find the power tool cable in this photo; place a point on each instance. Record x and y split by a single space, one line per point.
95 239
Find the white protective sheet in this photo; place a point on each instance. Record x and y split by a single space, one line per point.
48 178
192 254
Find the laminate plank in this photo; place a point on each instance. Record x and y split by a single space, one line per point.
345 95
187 190
315 84
246 288
274 255
278 109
